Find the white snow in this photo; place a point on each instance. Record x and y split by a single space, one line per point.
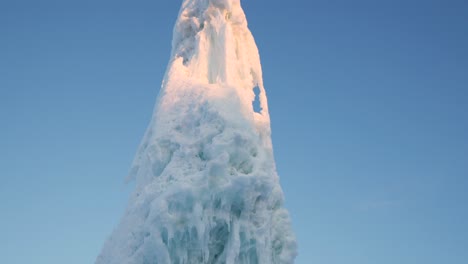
207 190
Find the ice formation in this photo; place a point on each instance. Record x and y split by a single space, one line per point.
206 190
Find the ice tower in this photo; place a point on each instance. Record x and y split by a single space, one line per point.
207 190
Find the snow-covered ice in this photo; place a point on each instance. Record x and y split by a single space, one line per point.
206 190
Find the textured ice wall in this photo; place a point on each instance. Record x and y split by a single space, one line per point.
207 190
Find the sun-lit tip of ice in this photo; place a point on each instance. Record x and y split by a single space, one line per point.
213 45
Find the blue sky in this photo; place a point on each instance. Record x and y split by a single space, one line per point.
369 108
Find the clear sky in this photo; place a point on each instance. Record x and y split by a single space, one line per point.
369 108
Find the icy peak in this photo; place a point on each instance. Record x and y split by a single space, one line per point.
213 45
224 4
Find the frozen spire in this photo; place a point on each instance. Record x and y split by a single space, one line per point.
207 190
